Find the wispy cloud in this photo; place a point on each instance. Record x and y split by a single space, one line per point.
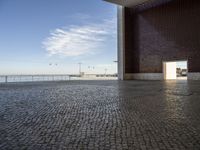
80 39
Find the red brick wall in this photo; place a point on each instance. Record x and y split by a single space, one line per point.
162 33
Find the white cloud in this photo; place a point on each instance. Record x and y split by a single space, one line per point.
80 40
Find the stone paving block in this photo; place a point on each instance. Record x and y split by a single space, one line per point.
102 115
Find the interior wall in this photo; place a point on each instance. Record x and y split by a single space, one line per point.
165 32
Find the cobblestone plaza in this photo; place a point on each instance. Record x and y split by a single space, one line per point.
104 115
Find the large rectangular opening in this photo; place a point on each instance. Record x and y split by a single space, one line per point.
175 70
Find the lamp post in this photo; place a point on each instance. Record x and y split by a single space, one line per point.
80 68
106 71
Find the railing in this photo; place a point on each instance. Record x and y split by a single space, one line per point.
33 78
41 78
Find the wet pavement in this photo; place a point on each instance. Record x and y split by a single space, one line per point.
104 115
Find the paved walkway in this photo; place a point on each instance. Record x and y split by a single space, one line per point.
104 115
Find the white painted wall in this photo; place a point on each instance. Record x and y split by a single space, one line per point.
144 76
193 75
170 70
121 47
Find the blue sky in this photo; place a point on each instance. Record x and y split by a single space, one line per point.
36 33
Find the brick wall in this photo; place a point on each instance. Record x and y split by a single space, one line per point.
163 32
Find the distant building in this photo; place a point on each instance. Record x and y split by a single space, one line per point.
153 32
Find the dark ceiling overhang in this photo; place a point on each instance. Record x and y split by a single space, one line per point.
128 3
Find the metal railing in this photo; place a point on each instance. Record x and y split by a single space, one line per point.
65 77
33 78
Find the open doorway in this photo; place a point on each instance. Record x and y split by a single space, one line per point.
175 70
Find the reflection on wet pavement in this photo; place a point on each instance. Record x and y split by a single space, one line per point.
100 115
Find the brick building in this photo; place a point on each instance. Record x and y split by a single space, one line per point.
152 32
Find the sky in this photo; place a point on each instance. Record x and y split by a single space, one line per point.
181 64
53 36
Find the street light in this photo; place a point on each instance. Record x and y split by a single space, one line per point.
80 68
105 71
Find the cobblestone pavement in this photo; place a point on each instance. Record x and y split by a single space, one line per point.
104 115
